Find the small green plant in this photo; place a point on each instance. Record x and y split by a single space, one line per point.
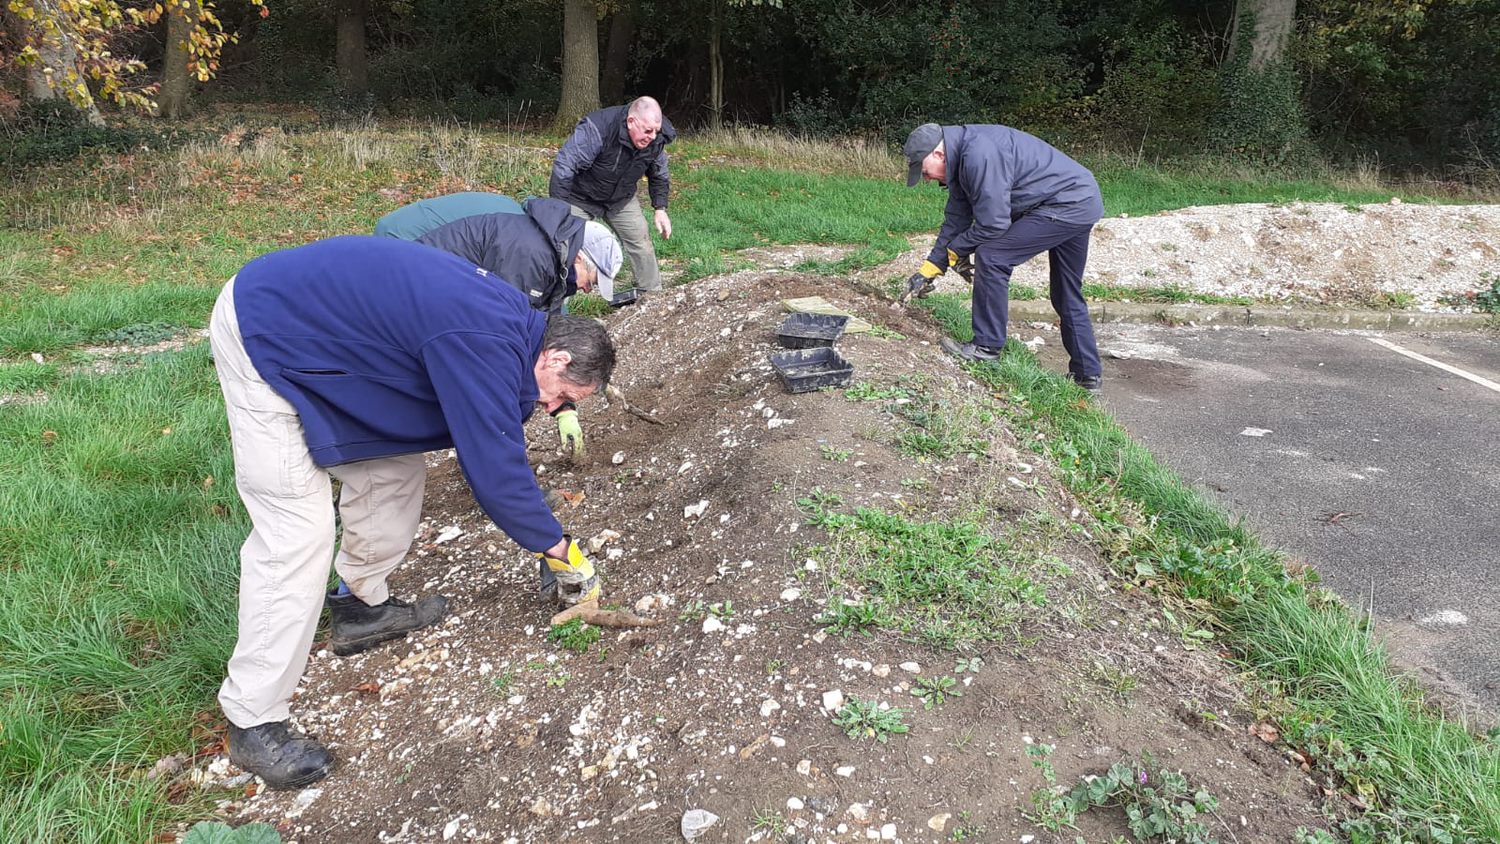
1054 810
880 332
865 391
724 611
769 821
575 636
558 680
916 484
844 618
1488 297
1313 836
774 666
139 334
836 455
693 611
536 665
967 665
1159 804
935 691
860 719
1113 678
212 832
1392 300
503 683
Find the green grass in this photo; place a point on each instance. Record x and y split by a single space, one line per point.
1344 704
117 560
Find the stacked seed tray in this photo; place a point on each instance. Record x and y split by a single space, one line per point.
814 364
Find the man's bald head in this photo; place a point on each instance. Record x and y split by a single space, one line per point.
643 121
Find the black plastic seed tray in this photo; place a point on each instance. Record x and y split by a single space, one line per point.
624 297
812 369
807 331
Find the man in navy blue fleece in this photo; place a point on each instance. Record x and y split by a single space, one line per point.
1011 196
349 358
600 167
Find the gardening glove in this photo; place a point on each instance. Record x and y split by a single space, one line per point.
921 283
961 264
569 431
576 580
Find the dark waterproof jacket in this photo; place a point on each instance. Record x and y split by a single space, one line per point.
388 347
598 169
996 175
410 222
532 251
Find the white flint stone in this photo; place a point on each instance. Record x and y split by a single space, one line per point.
833 700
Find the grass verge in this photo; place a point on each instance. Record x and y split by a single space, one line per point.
1421 777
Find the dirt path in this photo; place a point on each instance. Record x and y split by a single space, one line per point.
484 730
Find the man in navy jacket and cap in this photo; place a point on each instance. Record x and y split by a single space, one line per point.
1011 196
350 358
599 170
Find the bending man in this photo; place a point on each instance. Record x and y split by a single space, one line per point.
1011 196
350 358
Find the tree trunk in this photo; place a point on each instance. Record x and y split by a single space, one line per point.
352 58
1271 22
715 70
580 69
176 79
617 53
58 55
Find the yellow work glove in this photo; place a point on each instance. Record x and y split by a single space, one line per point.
570 432
961 264
576 580
930 270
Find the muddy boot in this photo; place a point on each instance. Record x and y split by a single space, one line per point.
273 753
357 626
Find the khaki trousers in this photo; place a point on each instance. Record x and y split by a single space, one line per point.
629 224
284 561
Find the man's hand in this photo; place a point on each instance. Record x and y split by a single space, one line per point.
964 266
576 580
570 432
663 224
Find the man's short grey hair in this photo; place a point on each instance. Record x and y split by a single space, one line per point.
586 340
645 107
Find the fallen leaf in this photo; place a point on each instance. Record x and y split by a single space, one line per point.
368 688
573 498
1265 731
49 437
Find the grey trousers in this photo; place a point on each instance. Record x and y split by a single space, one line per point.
630 225
284 562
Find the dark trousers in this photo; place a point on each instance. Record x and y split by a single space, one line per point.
1067 248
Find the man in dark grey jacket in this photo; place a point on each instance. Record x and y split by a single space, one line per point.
600 167
1011 196
545 251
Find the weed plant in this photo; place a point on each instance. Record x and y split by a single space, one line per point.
862 719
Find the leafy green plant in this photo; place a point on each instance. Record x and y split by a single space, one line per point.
1053 809
558 680
1488 298
770 822
502 684
935 691
1160 804
836 455
844 617
139 334
723 611
575 636
1113 678
967 665
693 611
861 719
212 832
866 391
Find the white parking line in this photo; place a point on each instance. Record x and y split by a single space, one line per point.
1483 382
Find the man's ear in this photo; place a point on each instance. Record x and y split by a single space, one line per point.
557 360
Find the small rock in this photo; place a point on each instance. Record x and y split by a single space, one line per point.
819 637
304 799
696 821
833 700
858 811
888 832
791 594
450 533
1027 839
542 809
451 829
712 624
602 538
881 670
693 511
794 804
778 742
844 770
768 707
804 767
911 668
167 766
937 823
618 458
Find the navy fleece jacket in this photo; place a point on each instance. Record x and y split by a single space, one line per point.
387 347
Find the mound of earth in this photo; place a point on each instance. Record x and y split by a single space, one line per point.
484 729
1391 254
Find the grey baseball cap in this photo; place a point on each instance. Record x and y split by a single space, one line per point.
920 144
603 249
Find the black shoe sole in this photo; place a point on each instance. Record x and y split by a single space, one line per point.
300 782
350 647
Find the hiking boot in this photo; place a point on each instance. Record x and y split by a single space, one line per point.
1092 383
969 351
273 753
357 626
